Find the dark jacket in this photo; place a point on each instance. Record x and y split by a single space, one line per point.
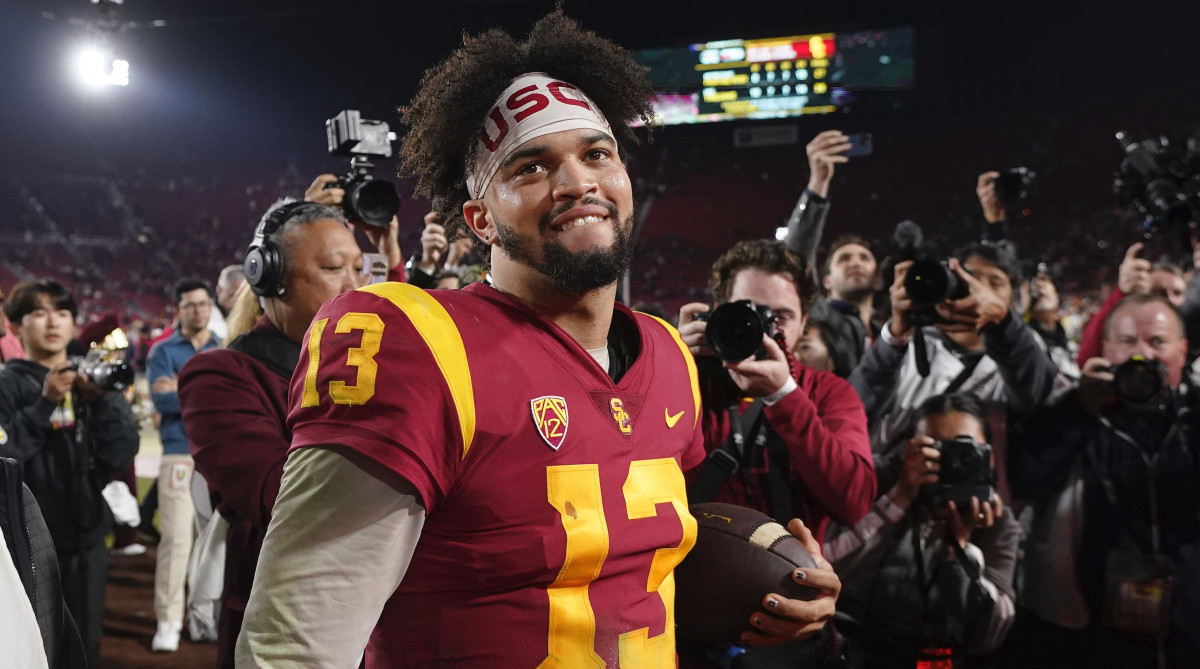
28 542
1131 454
65 468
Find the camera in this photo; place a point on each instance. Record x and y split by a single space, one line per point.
107 375
930 282
1014 186
1159 180
369 200
966 472
1139 381
735 330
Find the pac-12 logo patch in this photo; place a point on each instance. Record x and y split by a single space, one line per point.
550 418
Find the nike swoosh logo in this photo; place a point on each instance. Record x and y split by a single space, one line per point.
671 420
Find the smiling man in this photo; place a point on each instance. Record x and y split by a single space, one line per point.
482 477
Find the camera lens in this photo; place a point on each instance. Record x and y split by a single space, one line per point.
1138 380
373 202
929 282
735 331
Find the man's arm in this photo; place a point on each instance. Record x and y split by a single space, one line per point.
806 225
830 451
23 417
1027 371
161 378
339 543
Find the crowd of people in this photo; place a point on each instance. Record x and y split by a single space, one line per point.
403 470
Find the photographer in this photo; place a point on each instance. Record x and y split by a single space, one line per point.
851 272
804 424
1130 433
234 400
71 437
1041 295
923 572
976 344
424 271
1134 276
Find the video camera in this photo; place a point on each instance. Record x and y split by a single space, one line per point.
735 330
369 200
102 364
966 472
1160 180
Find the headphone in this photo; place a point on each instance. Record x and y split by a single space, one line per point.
264 259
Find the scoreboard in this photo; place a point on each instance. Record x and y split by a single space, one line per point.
776 77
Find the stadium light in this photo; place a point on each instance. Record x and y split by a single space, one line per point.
97 67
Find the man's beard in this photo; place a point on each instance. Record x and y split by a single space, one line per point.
579 271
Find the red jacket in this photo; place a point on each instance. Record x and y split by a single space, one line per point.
824 427
1091 343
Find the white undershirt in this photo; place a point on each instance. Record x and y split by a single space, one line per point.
601 356
23 640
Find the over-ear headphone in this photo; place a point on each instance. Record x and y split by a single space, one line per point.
264 259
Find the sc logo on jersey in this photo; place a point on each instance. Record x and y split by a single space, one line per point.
550 418
624 424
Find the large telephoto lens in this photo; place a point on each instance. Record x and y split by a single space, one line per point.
372 201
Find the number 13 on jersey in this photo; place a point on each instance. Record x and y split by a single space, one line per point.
574 491
361 358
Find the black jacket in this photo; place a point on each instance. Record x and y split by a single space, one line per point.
66 469
1130 453
28 542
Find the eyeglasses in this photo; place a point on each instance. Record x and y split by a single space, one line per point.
188 306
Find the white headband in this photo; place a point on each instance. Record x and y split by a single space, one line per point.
533 105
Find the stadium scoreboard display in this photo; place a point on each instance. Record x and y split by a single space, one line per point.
777 77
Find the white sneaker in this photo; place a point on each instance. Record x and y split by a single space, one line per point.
130 550
166 639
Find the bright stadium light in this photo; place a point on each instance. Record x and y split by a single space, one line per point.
97 67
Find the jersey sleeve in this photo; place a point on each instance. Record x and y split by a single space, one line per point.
383 372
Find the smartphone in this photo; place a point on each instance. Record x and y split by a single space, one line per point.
861 144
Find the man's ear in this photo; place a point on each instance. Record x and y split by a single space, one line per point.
825 282
479 220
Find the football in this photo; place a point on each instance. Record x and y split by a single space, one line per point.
740 556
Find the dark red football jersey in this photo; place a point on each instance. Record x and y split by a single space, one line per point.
556 501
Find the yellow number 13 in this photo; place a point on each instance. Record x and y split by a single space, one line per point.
361 358
574 491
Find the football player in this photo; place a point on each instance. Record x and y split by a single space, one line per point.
493 476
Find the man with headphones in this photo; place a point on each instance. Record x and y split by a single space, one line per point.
234 400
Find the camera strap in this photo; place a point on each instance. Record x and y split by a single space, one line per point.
730 456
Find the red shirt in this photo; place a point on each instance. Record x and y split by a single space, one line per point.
556 504
824 427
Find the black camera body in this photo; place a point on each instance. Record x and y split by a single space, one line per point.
1014 186
105 374
931 282
735 330
369 200
1139 381
966 472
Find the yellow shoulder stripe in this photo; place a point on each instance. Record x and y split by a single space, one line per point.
441 335
689 361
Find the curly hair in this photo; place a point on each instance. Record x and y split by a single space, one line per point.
454 97
767 256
